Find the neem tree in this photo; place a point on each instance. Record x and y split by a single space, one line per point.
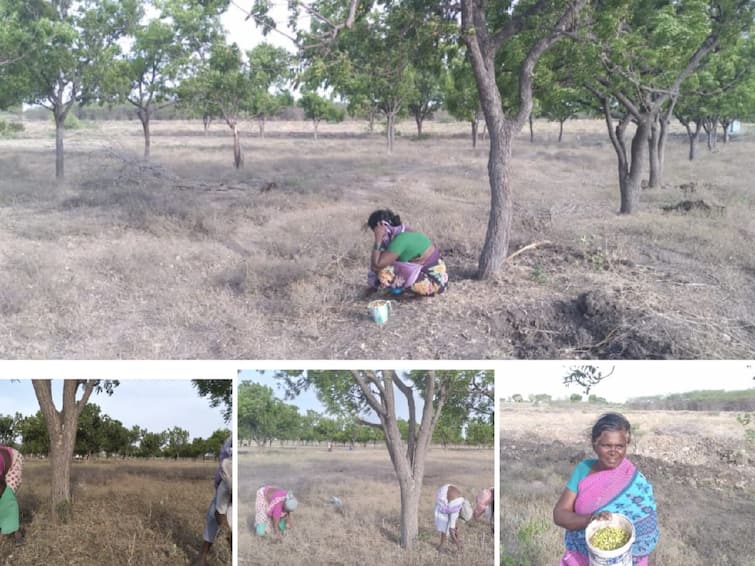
634 57
161 54
73 56
487 28
219 392
370 396
61 427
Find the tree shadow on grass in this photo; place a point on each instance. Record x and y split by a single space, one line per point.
388 530
28 506
184 536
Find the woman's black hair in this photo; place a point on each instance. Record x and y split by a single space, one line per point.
384 215
612 422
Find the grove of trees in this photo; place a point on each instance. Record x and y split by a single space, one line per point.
266 421
636 64
371 399
98 434
78 428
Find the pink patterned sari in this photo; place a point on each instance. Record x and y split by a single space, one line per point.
620 490
266 510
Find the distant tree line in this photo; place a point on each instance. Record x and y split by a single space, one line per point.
715 400
265 419
98 433
546 398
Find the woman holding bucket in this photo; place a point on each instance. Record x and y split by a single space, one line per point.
403 259
607 484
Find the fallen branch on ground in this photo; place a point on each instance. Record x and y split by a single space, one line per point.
528 247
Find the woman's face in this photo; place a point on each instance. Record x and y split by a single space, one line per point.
611 447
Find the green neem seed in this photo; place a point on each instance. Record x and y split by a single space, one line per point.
609 538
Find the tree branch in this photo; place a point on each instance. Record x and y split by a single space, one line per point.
565 23
408 392
369 396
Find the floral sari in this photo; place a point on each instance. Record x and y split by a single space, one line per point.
426 279
620 490
14 474
266 510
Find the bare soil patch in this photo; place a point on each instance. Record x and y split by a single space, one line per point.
184 257
702 471
123 513
364 529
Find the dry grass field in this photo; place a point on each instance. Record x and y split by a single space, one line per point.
188 258
126 513
702 472
364 530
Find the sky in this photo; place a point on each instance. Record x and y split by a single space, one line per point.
629 379
245 32
156 405
308 399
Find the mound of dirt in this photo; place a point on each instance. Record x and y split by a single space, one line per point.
595 324
688 206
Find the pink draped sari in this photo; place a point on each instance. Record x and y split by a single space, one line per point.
620 490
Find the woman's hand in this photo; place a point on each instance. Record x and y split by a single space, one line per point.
602 516
380 232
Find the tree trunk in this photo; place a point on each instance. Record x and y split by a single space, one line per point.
532 132
560 130
261 126
61 427
653 150
206 120
693 136
664 123
658 137
144 118
316 123
391 118
475 126
725 124
237 159
410 495
498 232
60 119
710 125
630 189
61 454
418 120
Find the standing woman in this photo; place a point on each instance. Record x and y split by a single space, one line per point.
11 473
220 509
606 484
403 259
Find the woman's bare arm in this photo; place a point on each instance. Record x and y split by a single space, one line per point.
564 514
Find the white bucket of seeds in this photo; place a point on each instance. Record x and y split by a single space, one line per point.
609 541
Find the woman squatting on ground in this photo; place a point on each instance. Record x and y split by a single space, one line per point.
403 259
